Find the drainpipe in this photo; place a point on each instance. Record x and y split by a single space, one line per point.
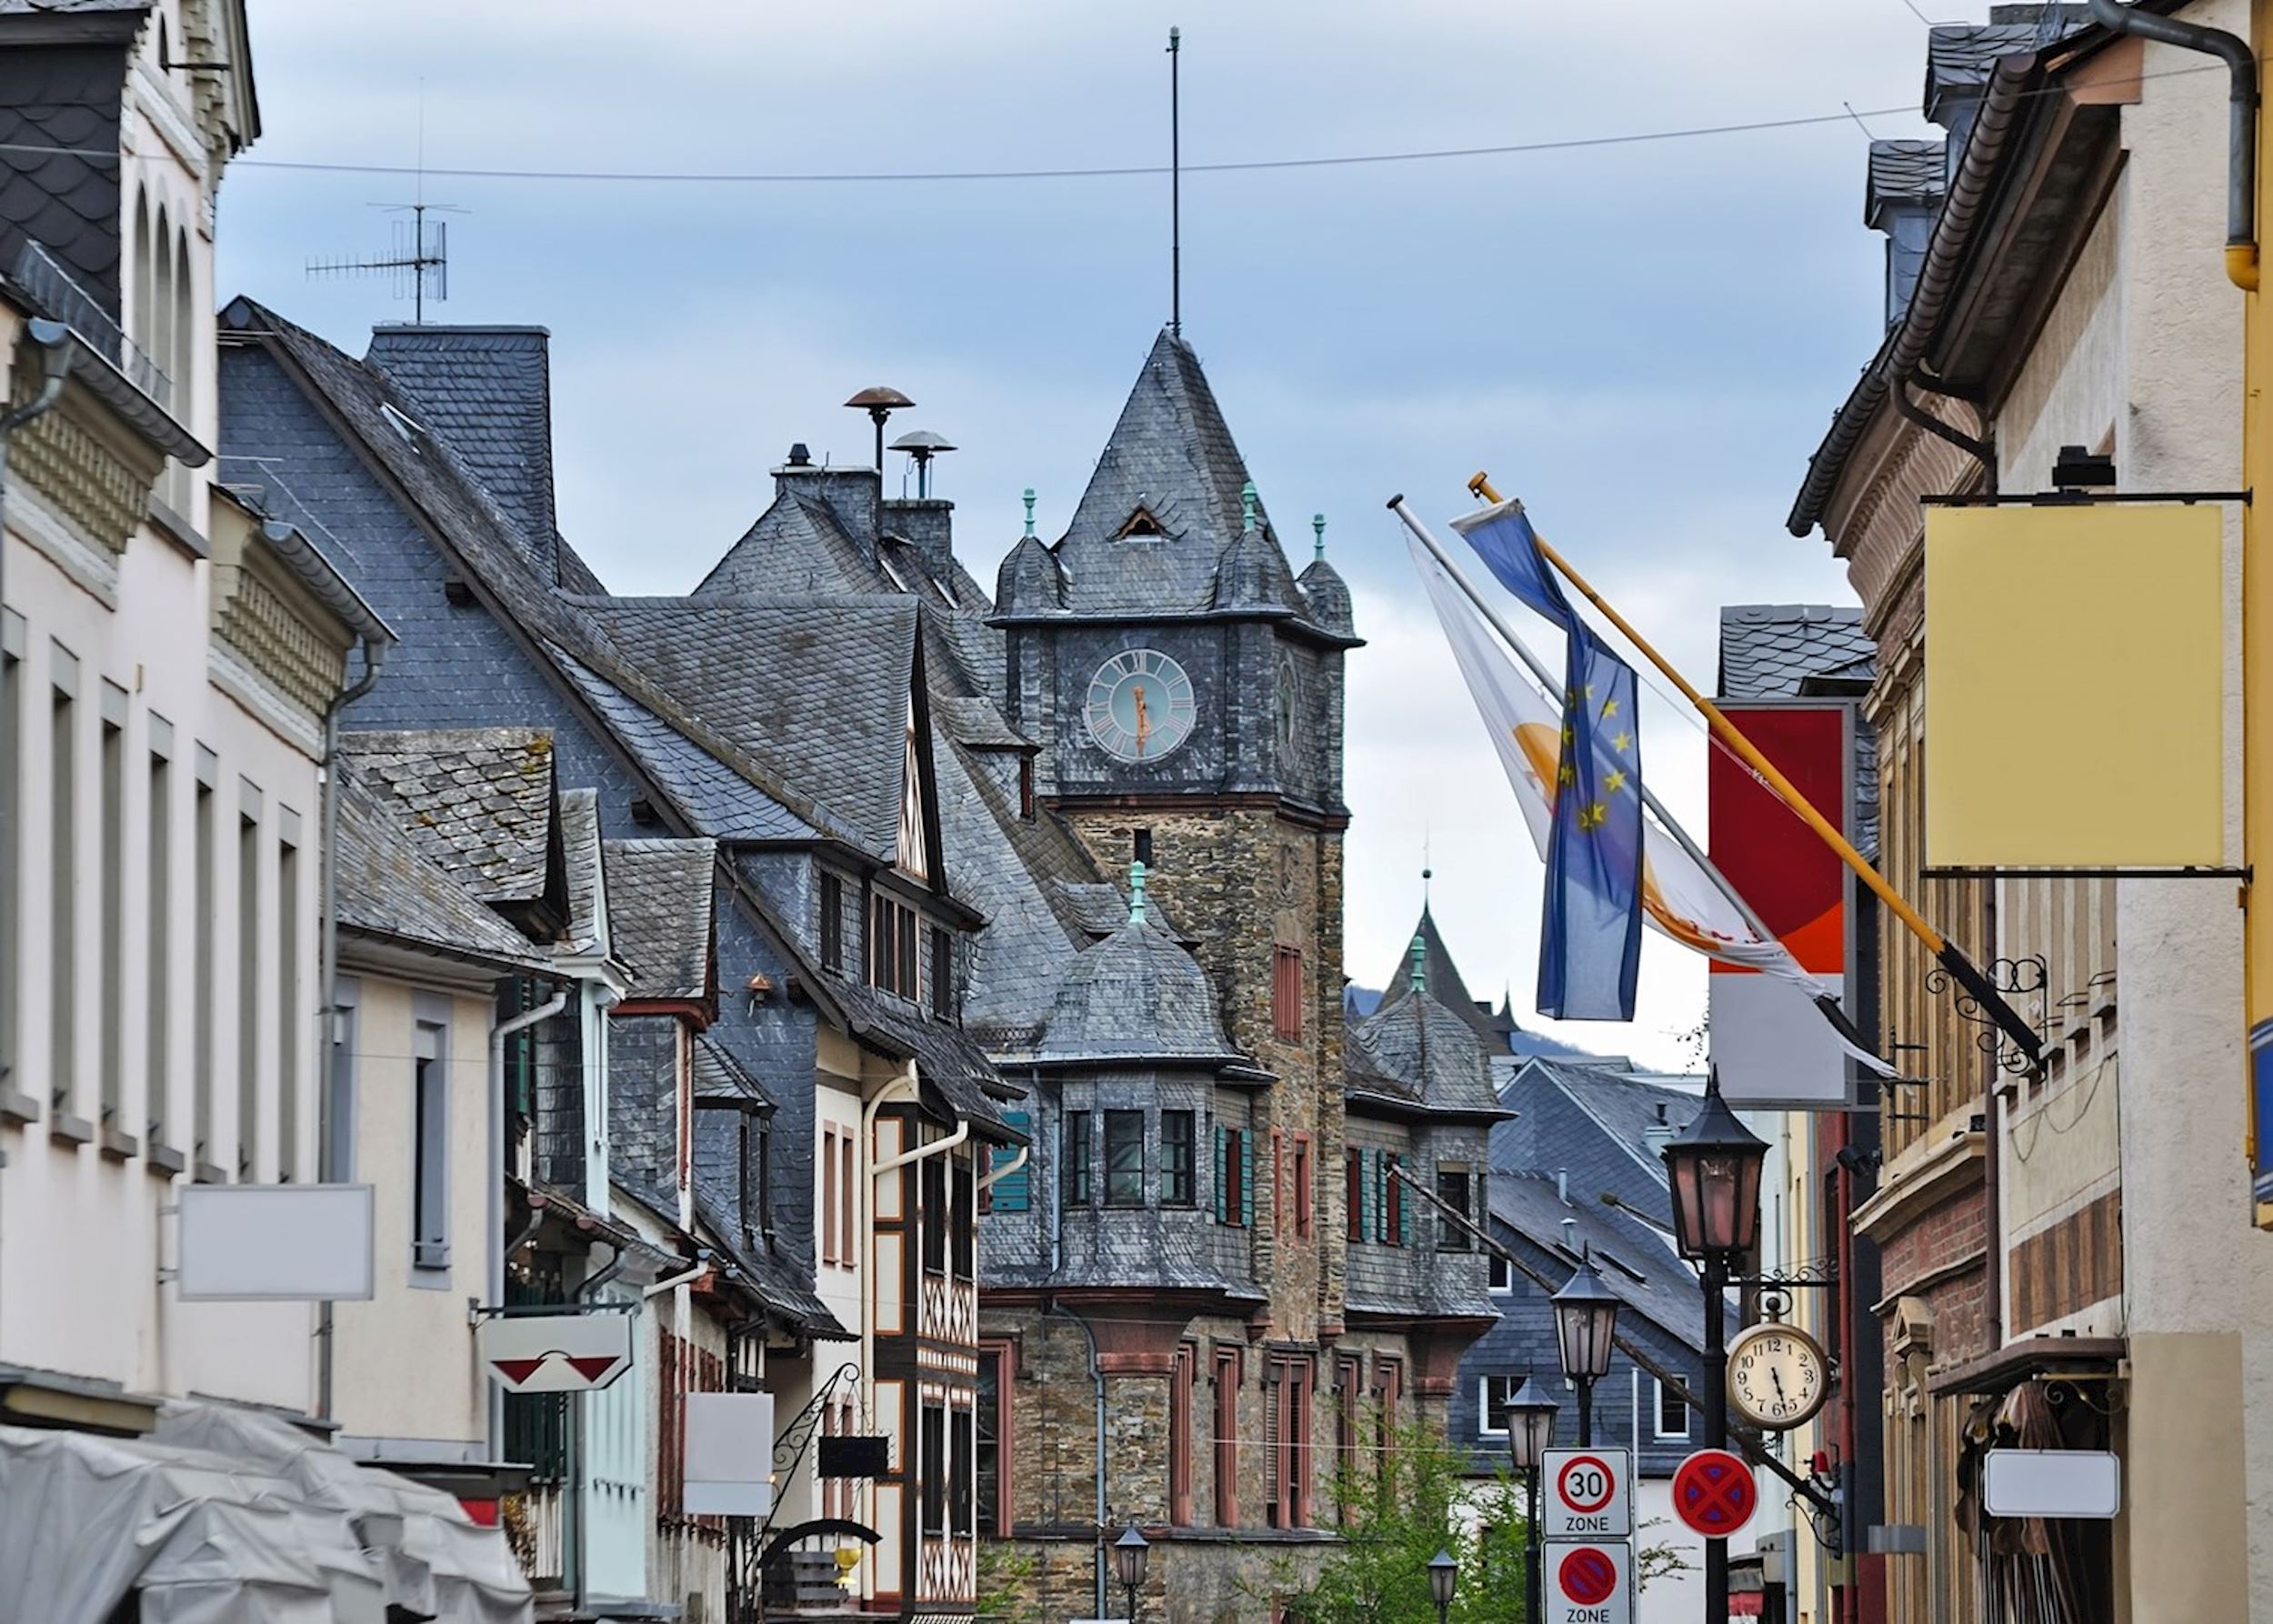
899 1087
327 977
577 1530
2241 129
496 1225
1096 1374
54 339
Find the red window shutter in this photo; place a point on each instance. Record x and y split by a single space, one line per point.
1287 993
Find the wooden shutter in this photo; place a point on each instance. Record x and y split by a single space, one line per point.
1403 1208
1013 1192
1223 1184
1366 1230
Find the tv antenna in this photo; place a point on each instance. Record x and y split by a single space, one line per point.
1176 184
419 266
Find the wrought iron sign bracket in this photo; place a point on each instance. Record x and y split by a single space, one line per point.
2007 978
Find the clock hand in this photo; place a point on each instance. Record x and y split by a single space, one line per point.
1776 1376
1143 720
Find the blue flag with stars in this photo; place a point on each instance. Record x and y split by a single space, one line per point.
1590 940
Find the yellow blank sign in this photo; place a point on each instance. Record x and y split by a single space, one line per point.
2073 703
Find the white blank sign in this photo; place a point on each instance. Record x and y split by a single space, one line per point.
274 1243
2081 1483
729 1454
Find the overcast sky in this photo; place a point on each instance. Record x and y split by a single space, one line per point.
1644 340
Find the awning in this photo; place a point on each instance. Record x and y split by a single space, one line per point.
1746 1604
227 1515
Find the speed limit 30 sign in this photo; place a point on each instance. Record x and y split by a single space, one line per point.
1588 1495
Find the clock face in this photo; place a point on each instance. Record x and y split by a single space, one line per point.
1140 705
1778 1375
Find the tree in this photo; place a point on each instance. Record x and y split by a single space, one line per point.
1398 1508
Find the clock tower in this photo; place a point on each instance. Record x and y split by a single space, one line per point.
1185 686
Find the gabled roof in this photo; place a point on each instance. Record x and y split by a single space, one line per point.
1416 1052
809 692
957 1078
481 803
659 909
1593 1122
1640 1269
390 890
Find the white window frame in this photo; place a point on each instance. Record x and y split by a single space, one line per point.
430 1137
1486 1409
1499 1270
1657 1413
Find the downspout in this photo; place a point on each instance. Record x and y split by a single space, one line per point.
1096 1374
327 977
863 1228
496 1181
576 1531
2241 126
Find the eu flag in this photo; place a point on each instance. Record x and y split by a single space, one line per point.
1590 939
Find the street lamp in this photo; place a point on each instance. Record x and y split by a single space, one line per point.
1530 1434
1586 1316
1131 1551
1444 1577
1714 1165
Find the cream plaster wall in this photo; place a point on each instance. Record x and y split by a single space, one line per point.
404 1363
2146 342
69 1216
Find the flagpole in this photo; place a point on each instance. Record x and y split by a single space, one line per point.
1553 685
1947 953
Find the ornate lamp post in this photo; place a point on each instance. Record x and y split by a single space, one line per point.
1715 1167
1586 1316
1530 1434
1131 1552
1443 1577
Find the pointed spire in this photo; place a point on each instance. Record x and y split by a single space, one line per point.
1137 892
1318 529
1420 964
1247 505
1028 499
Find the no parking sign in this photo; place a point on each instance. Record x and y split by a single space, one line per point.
1588 1583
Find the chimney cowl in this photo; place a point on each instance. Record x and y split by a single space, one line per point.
800 455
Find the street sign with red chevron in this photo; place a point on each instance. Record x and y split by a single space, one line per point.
571 1351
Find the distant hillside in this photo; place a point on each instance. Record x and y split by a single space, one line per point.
1362 1001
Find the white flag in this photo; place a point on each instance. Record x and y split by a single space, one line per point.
1679 898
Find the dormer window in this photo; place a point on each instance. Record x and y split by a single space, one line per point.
1142 524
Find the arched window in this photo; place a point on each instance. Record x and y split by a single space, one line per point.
182 364
144 269
157 339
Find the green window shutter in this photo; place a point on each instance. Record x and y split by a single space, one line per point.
1364 1198
1403 1208
1223 1210
1246 1177
1381 1196
1012 1192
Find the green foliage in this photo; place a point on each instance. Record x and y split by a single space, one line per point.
1398 1510
1005 1584
1656 1561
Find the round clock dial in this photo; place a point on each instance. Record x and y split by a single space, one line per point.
1140 705
1778 1375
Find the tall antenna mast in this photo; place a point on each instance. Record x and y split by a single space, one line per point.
417 266
1175 186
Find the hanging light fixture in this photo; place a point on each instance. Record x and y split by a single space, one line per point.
1715 1164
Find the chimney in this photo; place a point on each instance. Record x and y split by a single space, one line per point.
928 525
851 494
487 393
1903 199
1658 1135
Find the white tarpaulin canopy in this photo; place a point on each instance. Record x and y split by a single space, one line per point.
223 1515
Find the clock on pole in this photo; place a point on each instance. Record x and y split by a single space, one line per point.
1778 1375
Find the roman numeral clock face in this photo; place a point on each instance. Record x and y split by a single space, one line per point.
1140 705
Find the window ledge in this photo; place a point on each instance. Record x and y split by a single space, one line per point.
116 1145
162 1161
17 1107
66 1129
209 1174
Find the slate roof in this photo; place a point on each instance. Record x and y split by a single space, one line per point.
486 392
482 802
948 1060
718 1075
587 872
659 894
1591 1122
718 800
1960 56
773 1274
66 97
1666 1292
1135 995
1416 1051
1171 456
1498 1029
1782 651
806 692
389 887
1903 173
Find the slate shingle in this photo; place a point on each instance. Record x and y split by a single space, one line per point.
659 897
481 801
389 887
